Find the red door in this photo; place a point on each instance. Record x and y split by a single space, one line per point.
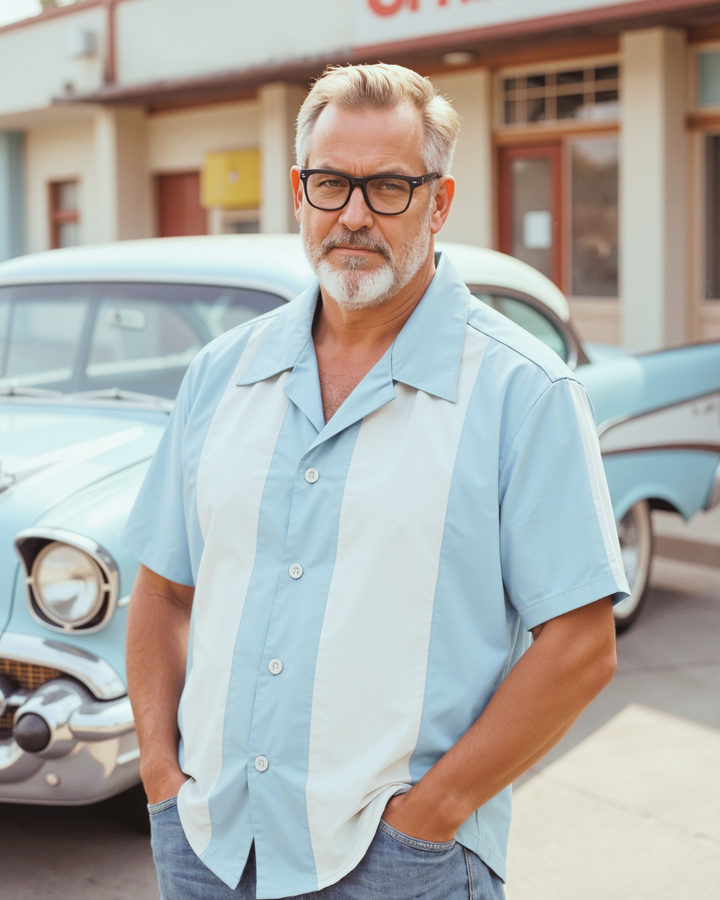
178 202
530 207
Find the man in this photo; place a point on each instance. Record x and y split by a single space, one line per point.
361 503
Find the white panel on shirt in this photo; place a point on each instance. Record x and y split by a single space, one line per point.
596 477
373 654
224 573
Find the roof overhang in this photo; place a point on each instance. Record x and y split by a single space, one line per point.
598 27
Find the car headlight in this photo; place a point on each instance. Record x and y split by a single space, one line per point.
69 585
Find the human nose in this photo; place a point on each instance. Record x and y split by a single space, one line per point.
356 214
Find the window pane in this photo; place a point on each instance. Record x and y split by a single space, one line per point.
569 106
530 212
146 335
536 109
709 78
574 77
66 195
529 318
68 234
712 217
594 187
606 73
510 112
44 339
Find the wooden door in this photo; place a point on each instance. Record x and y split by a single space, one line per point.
530 207
178 205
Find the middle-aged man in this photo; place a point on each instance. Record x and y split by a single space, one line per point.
361 505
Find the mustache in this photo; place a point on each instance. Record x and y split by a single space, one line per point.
356 239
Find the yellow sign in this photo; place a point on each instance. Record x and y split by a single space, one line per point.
231 179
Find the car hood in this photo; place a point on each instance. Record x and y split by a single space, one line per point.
49 453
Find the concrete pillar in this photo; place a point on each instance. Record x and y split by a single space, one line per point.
471 217
653 185
123 191
12 200
279 105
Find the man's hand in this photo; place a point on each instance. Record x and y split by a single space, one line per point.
157 640
164 783
571 661
404 815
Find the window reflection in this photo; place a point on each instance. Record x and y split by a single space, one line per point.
594 191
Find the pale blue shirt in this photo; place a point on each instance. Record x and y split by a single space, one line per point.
362 586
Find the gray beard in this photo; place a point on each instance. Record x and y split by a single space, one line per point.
353 286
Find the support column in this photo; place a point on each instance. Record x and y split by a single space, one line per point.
653 184
279 105
12 202
471 216
123 192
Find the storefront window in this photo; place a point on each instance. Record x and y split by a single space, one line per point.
586 93
712 217
594 217
709 78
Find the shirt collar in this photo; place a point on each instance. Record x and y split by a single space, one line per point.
425 355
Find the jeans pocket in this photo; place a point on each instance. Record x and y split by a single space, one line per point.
155 808
415 843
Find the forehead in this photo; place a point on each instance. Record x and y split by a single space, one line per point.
368 140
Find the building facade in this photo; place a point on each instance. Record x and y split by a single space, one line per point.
590 142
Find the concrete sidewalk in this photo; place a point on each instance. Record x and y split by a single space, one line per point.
631 813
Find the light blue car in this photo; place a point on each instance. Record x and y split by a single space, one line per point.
94 342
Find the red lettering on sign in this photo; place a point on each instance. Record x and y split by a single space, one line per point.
384 8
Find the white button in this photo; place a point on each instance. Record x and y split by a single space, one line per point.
275 666
311 475
295 570
261 764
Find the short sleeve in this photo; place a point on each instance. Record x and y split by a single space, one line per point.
558 540
156 530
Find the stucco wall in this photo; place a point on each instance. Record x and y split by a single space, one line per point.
179 141
165 39
59 154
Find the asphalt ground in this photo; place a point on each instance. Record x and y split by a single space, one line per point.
669 662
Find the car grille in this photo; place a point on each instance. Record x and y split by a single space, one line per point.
25 675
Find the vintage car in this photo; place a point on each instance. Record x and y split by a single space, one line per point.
94 342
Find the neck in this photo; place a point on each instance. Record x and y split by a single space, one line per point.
370 329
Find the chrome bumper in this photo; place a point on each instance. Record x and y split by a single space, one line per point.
68 745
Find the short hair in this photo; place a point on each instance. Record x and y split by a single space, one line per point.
383 86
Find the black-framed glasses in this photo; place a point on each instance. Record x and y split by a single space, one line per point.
386 195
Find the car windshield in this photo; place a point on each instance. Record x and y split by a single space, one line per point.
138 338
528 317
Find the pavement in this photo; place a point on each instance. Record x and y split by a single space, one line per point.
631 809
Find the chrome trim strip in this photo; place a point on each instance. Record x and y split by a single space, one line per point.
100 556
715 490
691 423
95 673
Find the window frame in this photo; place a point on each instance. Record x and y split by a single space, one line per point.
57 216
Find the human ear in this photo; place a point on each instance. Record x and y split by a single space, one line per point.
442 201
297 191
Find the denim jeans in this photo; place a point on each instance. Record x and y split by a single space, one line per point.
395 867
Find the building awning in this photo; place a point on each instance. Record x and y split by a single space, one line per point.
596 30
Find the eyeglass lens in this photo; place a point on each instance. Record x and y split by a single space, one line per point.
384 194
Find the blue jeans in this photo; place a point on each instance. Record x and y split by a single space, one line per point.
395 867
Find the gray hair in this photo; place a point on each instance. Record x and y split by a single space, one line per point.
383 86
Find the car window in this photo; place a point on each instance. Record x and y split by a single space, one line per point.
144 336
139 337
42 336
528 317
